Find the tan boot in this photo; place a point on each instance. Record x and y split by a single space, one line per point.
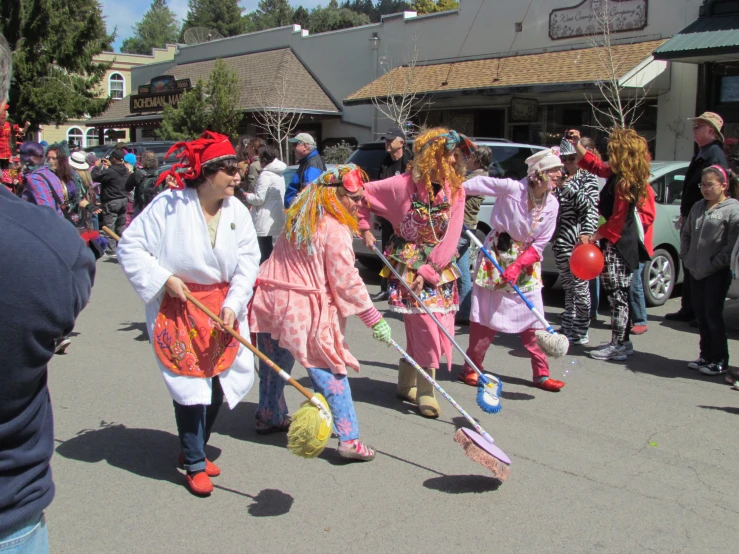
406 381
427 404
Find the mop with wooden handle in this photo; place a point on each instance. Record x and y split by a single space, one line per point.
311 425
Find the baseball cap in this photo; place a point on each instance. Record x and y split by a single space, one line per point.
116 155
393 133
305 138
130 159
714 120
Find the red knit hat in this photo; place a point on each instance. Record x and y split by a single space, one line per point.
210 147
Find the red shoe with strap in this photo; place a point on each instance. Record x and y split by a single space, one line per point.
468 377
549 384
211 469
199 484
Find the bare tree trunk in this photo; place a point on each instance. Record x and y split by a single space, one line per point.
276 117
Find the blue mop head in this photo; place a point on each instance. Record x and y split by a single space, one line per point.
488 393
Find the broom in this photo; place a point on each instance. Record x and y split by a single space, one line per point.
489 387
478 445
310 429
552 343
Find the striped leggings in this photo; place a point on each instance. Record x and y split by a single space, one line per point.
576 316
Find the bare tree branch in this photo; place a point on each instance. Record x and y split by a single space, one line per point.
276 117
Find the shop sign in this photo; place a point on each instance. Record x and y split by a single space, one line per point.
161 91
524 110
586 18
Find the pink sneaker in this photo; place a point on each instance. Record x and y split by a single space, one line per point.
356 450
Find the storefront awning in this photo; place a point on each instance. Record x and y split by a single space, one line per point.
550 71
708 39
270 79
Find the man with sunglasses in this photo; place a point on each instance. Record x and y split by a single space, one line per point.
707 135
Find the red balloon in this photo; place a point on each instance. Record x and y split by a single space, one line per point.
586 262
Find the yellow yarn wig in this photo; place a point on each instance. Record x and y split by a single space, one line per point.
431 159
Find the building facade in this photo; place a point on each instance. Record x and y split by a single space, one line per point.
490 68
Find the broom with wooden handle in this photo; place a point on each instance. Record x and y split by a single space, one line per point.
311 426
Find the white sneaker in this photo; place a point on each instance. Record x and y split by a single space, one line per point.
628 346
581 340
614 352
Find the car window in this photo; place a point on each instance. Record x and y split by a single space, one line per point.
288 175
658 186
674 185
369 160
509 161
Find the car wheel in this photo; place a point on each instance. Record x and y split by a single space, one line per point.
474 250
659 278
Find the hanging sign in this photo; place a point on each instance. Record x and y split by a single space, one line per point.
588 17
161 91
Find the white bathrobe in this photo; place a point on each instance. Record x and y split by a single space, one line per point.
170 237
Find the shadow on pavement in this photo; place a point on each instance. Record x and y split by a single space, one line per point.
728 409
462 484
137 326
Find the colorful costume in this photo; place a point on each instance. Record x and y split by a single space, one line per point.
517 240
307 289
200 364
7 130
427 230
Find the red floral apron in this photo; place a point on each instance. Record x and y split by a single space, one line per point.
187 341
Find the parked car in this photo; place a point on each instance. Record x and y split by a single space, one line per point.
160 148
509 160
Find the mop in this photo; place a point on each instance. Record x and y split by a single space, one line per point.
311 425
478 444
552 343
488 386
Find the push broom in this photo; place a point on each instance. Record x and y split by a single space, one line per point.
311 425
488 386
478 444
552 343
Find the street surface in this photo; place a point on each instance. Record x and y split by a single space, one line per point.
631 456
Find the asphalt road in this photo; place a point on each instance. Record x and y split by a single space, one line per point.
629 457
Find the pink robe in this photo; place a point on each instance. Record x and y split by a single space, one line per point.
303 300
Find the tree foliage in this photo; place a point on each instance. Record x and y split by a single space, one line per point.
376 10
433 6
157 28
270 14
208 106
333 18
53 44
222 15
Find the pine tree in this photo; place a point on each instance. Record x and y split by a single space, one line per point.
188 120
222 15
332 18
223 100
53 44
156 29
270 14
431 6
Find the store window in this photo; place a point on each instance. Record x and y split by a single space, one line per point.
75 137
92 137
116 86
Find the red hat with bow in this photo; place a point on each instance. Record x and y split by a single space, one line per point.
210 147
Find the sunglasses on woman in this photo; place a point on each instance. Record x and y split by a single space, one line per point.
568 158
229 170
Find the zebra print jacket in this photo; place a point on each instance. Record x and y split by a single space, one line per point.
578 210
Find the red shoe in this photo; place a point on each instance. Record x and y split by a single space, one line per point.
468 377
211 469
638 329
551 385
199 484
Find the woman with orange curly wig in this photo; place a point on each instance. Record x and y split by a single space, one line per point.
625 238
426 209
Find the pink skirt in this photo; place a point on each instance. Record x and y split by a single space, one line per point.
503 312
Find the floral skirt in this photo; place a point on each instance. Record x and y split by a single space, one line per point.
442 298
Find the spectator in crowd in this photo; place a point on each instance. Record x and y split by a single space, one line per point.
52 272
310 165
87 208
40 185
6 132
707 239
112 174
477 165
395 163
255 166
142 182
268 199
707 135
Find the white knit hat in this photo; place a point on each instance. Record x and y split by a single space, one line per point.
543 160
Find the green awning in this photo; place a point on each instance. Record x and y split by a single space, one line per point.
708 39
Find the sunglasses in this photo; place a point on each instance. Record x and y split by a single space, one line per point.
229 170
568 158
354 197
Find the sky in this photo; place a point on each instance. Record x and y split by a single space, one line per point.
124 15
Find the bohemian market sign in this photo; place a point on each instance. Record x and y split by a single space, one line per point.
161 91
586 18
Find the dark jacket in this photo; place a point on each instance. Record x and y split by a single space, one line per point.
47 274
309 168
112 182
712 154
142 182
390 167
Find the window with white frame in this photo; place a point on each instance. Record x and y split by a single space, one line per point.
75 136
116 85
92 137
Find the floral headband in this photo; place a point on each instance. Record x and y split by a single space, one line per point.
350 176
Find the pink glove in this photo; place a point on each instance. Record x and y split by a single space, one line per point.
528 257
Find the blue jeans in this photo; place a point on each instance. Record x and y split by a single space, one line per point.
594 285
28 537
637 302
465 286
194 424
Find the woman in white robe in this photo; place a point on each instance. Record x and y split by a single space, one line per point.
198 238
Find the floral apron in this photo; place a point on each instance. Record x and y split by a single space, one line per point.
422 228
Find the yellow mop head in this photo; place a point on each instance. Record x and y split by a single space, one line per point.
310 430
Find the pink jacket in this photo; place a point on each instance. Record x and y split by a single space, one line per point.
392 198
303 301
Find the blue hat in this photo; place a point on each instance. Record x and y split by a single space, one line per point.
130 159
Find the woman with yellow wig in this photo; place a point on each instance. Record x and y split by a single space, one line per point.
627 204
306 291
426 209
